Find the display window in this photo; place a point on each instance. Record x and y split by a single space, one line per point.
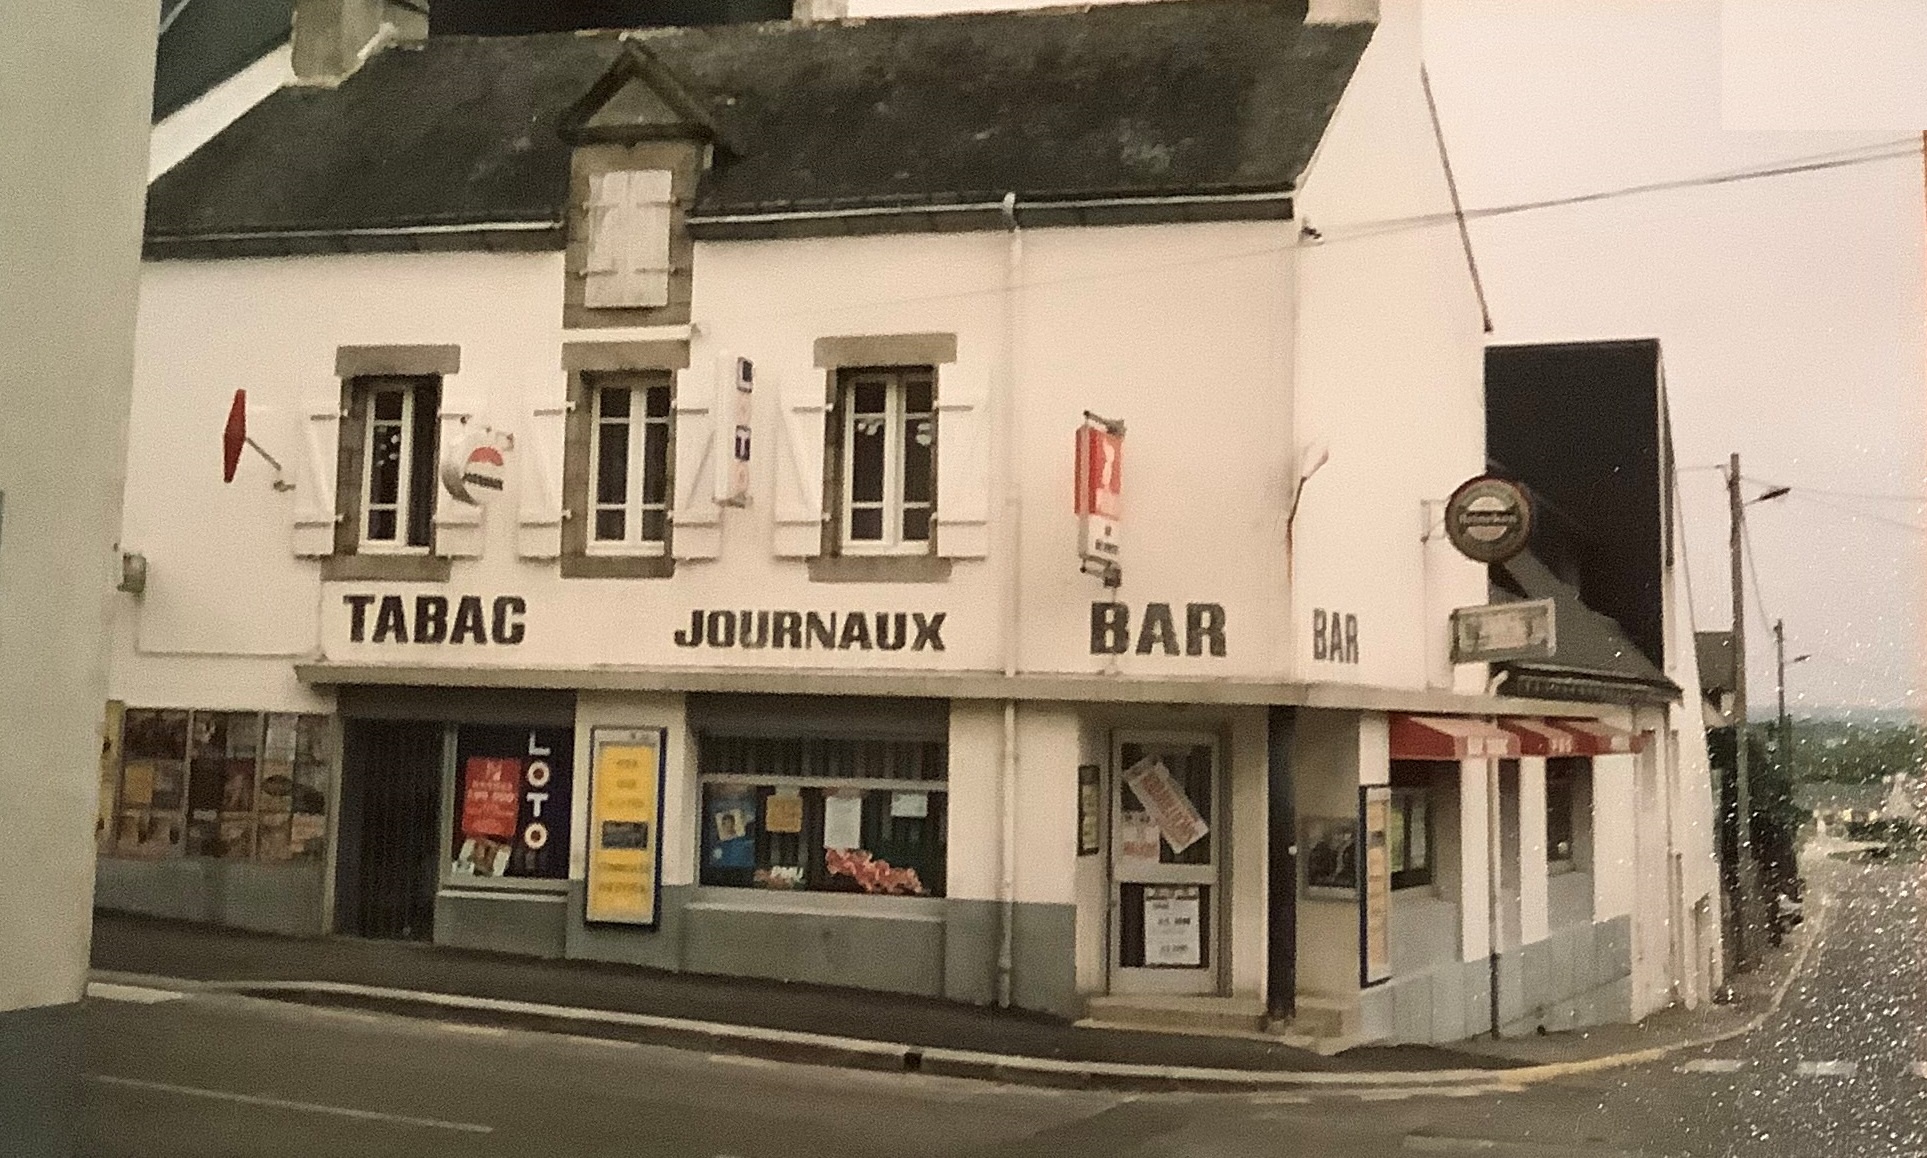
222 784
824 815
511 807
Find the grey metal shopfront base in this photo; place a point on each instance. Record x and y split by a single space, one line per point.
531 924
266 898
950 952
41 1103
1580 975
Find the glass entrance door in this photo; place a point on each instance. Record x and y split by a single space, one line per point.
1164 864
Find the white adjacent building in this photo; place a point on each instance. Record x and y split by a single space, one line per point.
699 404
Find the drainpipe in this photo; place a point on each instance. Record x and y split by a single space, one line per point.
1494 861
1013 590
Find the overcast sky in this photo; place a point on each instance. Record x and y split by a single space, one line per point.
1790 309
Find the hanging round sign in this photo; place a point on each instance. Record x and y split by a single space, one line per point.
1488 519
476 468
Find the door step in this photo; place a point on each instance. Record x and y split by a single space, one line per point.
1322 1025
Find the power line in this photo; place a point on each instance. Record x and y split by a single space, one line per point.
1753 571
1795 165
1868 495
1815 163
1857 514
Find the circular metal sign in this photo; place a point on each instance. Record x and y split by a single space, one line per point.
474 470
1488 519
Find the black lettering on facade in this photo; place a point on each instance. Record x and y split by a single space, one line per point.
1158 630
357 615
1318 633
431 618
1351 639
788 629
821 634
692 636
1110 628
929 631
509 610
722 629
754 631
856 631
469 624
390 623
1204 627
885 623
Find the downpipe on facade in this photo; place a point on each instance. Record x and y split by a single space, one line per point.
1013 584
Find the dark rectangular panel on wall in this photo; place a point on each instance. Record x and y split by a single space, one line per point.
390 840
854 717
520 17
514 706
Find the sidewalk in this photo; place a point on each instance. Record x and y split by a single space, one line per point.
783 1020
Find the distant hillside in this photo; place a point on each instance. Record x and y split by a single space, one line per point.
1861 748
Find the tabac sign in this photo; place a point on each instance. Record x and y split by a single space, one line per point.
1099 502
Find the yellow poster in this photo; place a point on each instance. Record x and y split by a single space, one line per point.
1376 942
783 813
625 816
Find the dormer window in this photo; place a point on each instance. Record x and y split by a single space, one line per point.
627 264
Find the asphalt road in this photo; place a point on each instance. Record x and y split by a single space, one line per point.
1832 1074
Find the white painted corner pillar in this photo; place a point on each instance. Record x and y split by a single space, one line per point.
1534 916
1614 863
1475 917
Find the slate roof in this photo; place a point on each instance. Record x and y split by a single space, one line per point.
204 42
1587 644
1129 101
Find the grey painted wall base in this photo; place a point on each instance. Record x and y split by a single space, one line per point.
1578 976
949 952
266 898
534 925
42 1105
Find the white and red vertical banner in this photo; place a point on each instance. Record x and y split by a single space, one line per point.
1100 489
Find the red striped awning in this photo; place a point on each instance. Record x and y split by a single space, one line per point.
1449 738
1542 737
1601 739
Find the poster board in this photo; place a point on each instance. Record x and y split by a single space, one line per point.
1090 809
1375 901
626 768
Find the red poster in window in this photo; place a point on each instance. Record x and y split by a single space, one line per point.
491 796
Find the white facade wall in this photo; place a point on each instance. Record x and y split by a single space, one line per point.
1390 368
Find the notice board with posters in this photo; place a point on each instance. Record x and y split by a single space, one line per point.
511 806
1375 902
626 767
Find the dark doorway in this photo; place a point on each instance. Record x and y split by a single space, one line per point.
390 854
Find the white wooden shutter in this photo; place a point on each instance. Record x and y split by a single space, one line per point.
626 265
317 444
696 517
799 465
459 526
539 499
963 463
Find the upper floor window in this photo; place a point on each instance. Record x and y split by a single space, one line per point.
398 468
627 264
888 459
631 464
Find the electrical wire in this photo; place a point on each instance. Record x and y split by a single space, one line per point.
1902 524
1816 162
1753 571
1870 496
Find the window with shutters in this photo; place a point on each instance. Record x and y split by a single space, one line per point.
629 470
885 426
627 262
398 467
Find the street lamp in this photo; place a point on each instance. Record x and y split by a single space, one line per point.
1745 904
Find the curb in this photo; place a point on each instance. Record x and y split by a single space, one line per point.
861 1053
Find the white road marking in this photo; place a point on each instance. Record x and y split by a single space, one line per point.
1826 1069
1920 1069
1711 1065
140 994
285 1104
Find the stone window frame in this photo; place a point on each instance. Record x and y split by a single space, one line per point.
358 368
659 361
839 358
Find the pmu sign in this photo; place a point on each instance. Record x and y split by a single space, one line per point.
1100 490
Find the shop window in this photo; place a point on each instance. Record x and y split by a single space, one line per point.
630 467
883 434
1568 811
824 815
225 785
512 803
396 418
1408 835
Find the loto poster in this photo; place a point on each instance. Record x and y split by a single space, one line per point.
625 823
1176 817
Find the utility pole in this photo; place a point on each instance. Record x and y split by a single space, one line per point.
1743 796
1781 723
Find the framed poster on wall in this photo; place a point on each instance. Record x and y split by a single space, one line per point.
624 885
1331 857
1090 810
1375 905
